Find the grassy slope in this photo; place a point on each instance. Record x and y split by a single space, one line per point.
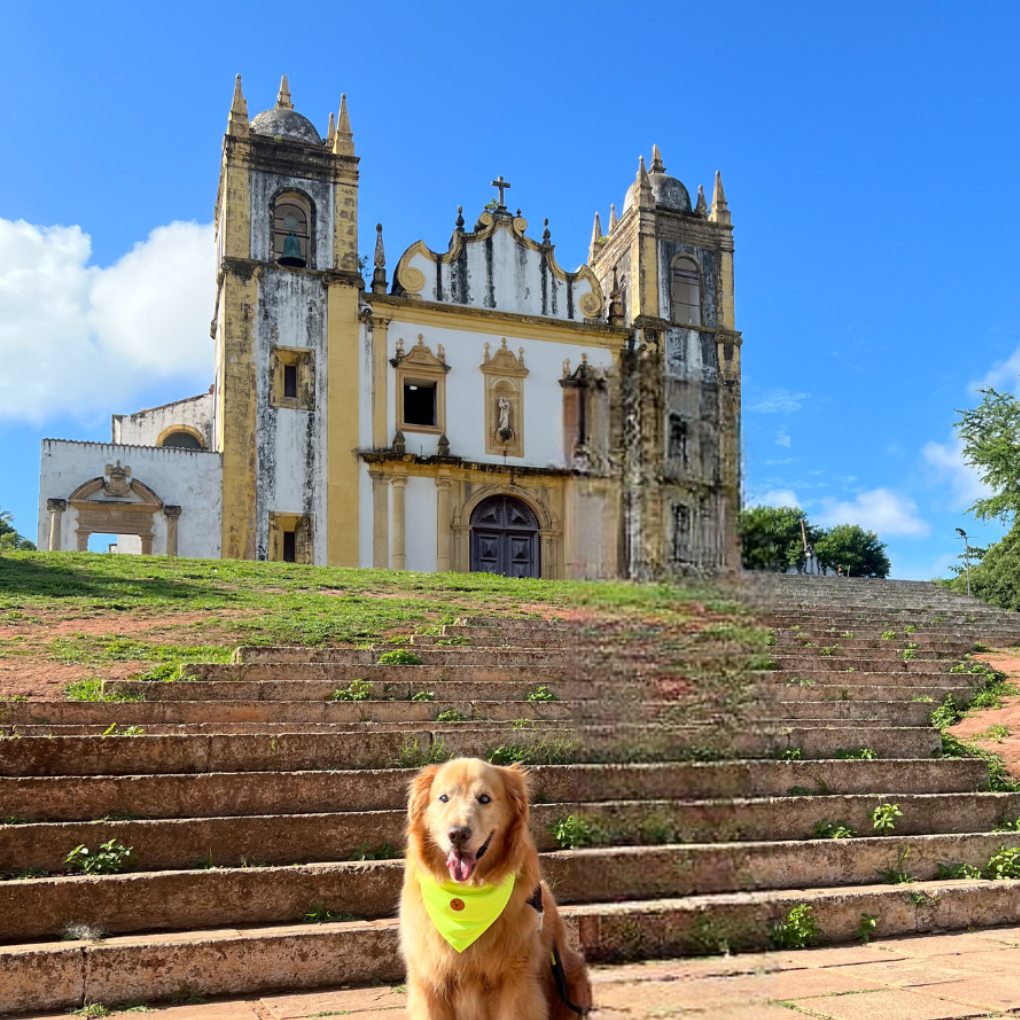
67 615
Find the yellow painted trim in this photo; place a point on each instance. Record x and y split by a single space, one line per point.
238 416
342 426
490 323
380 341
171 429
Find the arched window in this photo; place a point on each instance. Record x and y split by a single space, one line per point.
686 292
182 439
291 230
678 434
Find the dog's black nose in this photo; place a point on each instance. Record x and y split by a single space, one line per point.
459 835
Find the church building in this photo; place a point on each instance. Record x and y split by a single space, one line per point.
473 409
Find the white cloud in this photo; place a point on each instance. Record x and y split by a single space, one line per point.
77 339
775 497
949 466
783 438
1002 373
776 401
880 510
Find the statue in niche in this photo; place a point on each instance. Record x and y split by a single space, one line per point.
504 431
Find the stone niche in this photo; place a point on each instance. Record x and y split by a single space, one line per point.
504 374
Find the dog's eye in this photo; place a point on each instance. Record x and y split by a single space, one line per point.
443 798
484 799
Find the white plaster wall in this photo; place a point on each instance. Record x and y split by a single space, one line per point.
518 276
190 479
465 392
421 515
143 428
365 517
291 471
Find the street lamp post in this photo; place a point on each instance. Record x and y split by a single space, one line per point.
966 556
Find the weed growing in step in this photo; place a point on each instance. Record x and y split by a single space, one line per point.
926 699
1003 864
403 657
13 698
923 899
91 689
356 690
801 681
799 791
888 635
949 713
846 635
453 642
165 672
958 870
423 696
14 820
75 931
411 755
111 858
1007 825
92 1009
845 694
830 650
205 863
771 639
979 647
134 1006
318 914
909 653
832 830
909 629
384 852
451 715
861 753
547 752
541 693
797 930
18 876
866 928
791 754
578 831
897 874
884 818
128 731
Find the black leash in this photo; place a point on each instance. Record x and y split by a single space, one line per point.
557 962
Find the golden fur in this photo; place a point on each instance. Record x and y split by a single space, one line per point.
506 974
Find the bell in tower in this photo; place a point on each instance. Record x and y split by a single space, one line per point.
292 252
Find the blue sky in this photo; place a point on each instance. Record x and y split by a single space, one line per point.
869 153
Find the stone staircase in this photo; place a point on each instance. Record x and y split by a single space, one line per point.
253 799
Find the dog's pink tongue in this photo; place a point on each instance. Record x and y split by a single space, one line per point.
461 866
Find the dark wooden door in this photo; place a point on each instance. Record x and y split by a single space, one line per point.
504 538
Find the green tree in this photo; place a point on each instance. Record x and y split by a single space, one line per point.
9 538
857 552
772 537
989 433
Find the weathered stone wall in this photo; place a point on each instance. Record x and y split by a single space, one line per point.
143 428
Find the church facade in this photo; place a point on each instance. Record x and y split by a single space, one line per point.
479 409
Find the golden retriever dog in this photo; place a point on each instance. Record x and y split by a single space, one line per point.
468 845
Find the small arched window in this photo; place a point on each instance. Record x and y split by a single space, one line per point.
182 440
686 292
291 231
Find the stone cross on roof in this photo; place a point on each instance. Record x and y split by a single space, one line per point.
502 185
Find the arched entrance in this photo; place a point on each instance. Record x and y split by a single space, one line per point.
504 538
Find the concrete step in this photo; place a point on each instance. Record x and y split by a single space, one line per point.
212 794
190 843
898 678
790 692
864 664
156 901
888 713
342 675
452 656
379 747
234 961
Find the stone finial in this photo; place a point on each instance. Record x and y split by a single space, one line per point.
720 208
237 123
520 355
702 206
460 217
400 348
646 198
486 358
566 368
443 449
331 130
612 217
379 273
440 352
399 443
596 238
343 142
546 233
283 98
657 167
615 302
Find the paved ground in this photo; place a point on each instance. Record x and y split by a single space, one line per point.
937 977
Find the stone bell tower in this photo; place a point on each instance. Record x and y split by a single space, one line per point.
286 332
667 266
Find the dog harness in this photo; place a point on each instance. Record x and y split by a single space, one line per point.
462 913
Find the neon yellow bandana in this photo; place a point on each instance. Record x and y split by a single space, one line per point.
462 913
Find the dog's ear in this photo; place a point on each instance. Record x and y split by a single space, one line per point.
518 790
420 791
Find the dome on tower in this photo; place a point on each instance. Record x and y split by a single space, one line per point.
669 192
283 121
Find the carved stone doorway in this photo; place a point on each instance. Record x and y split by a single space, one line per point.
504 538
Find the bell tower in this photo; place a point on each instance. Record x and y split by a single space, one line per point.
667 266
286 332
